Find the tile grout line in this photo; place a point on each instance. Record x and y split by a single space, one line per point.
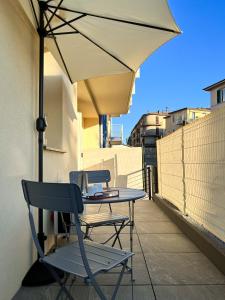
153 290
189 284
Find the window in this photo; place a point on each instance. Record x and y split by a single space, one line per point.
220 95
193 115
157 120
173 118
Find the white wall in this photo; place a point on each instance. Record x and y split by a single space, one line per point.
18 98
191 168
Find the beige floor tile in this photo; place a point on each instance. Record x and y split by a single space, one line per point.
88 293
191 292
182 268
156 243
148 216
157 227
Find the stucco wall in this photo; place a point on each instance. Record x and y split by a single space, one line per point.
191 164
91 133
213 97
57 165
18 73
124 163
18 151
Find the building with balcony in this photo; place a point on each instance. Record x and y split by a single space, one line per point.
148 129
217 94
184 116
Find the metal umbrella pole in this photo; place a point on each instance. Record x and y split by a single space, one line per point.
40 122
38 275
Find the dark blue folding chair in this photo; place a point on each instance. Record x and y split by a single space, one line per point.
84 259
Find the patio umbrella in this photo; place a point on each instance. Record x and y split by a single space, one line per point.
95 38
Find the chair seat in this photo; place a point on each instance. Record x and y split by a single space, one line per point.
102 219
100 258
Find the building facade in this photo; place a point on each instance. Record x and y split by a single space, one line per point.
184 116
217 94
149 128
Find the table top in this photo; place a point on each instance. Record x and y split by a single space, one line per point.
125 195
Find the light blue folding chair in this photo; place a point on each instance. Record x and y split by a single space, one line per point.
84 259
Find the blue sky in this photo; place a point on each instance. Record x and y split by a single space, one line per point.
175 74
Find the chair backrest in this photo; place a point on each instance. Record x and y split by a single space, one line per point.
61 197
98 176
76 177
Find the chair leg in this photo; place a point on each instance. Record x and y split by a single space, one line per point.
66 226
97 288
119 280
86 234
117 235
62 285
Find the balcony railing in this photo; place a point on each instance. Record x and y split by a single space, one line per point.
116 134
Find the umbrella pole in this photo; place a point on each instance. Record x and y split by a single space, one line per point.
40 122
38 275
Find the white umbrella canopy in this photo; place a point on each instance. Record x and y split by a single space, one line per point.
106 37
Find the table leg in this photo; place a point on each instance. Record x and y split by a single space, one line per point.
131 216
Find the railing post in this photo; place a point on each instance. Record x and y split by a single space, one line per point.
155 175
149 182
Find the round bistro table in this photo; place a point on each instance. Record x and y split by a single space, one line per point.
125 195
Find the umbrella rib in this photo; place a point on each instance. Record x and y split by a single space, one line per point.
54 12
65 22
60 53
93 42
62 33
34 12
119 20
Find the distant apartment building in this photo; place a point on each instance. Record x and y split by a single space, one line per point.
217 93
148 129
184 116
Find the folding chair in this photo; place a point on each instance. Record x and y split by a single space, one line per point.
84 259
91 221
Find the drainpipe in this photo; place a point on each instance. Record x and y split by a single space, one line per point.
183 169
103 130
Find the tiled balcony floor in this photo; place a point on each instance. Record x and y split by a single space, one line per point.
167 265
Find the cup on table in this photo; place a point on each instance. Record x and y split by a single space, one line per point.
99 188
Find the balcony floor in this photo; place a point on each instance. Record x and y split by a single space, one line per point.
167 265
